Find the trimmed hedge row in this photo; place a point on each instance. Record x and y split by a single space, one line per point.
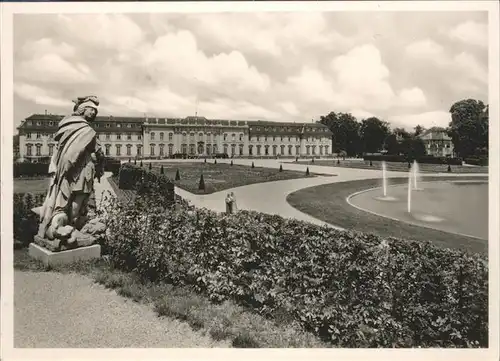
423 160
27 169
112 165
146 182
353 289
25 221
482 161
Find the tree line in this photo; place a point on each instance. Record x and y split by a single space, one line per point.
468 130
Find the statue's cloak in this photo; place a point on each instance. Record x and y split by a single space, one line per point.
71 167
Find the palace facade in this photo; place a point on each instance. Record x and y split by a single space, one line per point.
141 137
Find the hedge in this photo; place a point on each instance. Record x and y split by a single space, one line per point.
27 169
144 181
482 161
423 159
25 220
353 289
112 165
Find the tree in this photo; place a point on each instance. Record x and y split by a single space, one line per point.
468 128
345 129
392 145
418 130
373 132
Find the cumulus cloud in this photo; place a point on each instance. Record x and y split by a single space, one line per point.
54 69
430 119
39 95
470 32
275 66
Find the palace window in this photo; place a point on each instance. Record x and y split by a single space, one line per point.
233 149
38 150
241 149
265 138
225 136
29 148
241 137
320 150
170 148
129 149
118 136
233 137
290 150
161 149
258 138
274 149
118 150
170 136
152 136
297 149
28 135
51 150
139 150
326 149
266 147
107 136
308 150
191 148
107 148
152 152
161 135
274 138
258 149
214 148
184 148
282 150
38 135
129 136
200 135
191 137
225 148
250 150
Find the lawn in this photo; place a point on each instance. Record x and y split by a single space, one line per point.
328 203
31 185
395 166
222 176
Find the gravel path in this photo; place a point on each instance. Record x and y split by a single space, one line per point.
69 310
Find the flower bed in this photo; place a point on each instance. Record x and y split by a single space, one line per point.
352 289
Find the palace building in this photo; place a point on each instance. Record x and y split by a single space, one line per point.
437 142
142 137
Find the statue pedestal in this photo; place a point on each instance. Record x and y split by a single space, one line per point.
49 258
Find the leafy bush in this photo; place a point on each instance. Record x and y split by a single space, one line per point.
353 289
26 221
147 183
423 159
27 169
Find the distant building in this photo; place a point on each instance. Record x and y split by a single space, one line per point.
141 137
437 142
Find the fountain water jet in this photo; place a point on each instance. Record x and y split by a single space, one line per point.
409 191
385 197
416 175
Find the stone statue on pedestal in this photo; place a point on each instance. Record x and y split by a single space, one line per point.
67 217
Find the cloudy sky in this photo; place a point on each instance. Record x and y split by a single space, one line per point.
404 67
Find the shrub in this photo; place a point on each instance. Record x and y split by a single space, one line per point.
25 220
147 184
423 159
353 289
481 160
112 165
27 169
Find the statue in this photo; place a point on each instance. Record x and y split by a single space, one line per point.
67 217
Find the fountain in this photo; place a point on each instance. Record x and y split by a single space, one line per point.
385 197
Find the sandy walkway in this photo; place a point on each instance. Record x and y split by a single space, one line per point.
68 310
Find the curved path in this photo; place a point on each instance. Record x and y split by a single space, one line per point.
270 197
